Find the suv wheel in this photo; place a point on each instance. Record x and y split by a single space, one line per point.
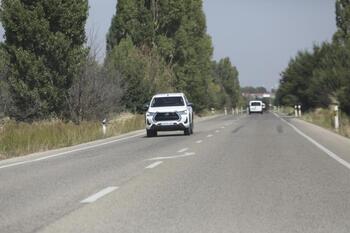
151 133
187 131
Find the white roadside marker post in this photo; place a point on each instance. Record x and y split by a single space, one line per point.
104 127
296 111
233 112
336 117
225 111
299 107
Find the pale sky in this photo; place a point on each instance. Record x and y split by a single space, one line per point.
259 36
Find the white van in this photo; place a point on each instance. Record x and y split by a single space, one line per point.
256 106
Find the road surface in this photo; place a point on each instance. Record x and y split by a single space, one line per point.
249 174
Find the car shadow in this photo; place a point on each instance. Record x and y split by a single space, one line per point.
167 135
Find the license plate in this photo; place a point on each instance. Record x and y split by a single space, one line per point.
166 124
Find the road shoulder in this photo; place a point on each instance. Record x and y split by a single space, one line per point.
334 142
81 147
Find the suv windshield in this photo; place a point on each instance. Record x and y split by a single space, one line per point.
167 102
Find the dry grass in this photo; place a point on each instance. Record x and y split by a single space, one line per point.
22 138
289 111
325 118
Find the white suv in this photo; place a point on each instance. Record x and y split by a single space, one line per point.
169 112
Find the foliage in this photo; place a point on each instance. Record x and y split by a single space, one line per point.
3 85
325 118
174 33
93 95
342 9
253 90
301 83
44 42
19 138
226 76
321 77
141 73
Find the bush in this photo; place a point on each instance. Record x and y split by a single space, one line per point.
23 138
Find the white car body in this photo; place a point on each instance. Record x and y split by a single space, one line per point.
255 106
163 117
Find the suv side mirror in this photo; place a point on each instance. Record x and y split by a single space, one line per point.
145 107
190 105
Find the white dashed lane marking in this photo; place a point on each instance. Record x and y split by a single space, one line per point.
99 195
153 165
183 150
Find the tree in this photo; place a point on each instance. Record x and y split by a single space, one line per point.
4 102
176 30
301 82
44 41
226 75
342 45
141 73
133 19
253 90
342 20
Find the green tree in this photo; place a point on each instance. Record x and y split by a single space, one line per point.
342 20
133 19
227 76
44 41
301 81
141 73
3 85
342 53
177 31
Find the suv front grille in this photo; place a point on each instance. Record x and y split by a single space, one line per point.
167 116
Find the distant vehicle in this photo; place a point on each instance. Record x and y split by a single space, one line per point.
169 112
256 106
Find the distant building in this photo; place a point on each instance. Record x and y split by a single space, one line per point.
257 95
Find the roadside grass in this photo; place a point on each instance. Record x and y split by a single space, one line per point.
207 112
325 119
289 111
18 139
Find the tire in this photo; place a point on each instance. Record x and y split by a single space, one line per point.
151 133
187 131
192 127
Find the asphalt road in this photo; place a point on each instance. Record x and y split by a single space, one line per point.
250 174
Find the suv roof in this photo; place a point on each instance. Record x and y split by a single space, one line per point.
170 95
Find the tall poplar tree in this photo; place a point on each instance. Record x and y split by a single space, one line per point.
177 31
342 10
44 41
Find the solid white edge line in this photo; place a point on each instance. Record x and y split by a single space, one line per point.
153 165
321 147
98 195
183 150
68 152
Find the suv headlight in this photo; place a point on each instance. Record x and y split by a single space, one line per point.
150 114
183 112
